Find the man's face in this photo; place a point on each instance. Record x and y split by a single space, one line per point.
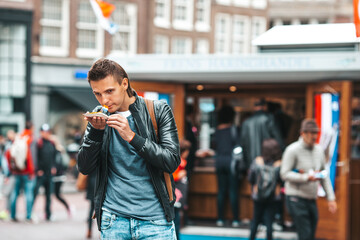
45 134
110 93
310 138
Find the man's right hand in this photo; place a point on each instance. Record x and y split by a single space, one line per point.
313 178
97 122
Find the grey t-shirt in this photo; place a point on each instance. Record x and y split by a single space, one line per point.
130 192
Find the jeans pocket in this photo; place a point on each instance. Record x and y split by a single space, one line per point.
106 220
163 222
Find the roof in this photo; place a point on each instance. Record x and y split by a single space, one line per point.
312 34
270 67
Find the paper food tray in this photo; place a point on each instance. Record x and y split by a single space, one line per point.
98 114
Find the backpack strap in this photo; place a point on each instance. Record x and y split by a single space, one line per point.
150 107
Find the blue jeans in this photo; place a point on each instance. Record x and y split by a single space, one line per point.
116 227
22 182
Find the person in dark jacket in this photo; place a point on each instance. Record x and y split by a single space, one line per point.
131 198
226 140
265 202
256 129
90 196
45 167
60 176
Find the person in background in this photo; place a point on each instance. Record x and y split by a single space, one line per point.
190 135
181 184
24 179
226 180
46 166
2 174
255 129
264 193
59 177
301 169
90 191
9 180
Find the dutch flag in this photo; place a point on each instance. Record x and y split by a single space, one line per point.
357 16
103 11
327 117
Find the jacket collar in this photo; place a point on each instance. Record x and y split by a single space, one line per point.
135 105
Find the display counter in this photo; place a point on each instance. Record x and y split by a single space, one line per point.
203 193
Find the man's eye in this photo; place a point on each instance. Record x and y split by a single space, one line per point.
109 91
97 94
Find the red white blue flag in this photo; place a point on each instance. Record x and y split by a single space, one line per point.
327 116
103 11
356 4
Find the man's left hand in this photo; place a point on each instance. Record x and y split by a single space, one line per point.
332 206
121 124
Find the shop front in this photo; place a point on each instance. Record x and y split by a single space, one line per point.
290 80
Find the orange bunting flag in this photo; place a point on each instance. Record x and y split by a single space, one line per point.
103 11
357 17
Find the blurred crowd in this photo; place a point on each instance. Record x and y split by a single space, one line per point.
29 164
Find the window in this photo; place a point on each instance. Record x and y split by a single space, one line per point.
222 32
90 39
258 27
202 46
295 21
12 63
259 4
240 43
161 44
162 13
203 10
125 41
276 22
313 21
183 15
54 36
223 2
242 3
181 45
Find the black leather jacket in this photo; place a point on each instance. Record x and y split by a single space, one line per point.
163 156
254 131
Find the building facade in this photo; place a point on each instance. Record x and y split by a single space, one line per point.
67 38
296 12
15 65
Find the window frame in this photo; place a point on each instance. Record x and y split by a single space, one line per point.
203 26
132 10
187 24
162 22
225 35
244 37
188 45
165 44
63 49
98 51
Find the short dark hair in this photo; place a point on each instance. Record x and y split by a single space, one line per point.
104 67
184 145
28 125
226 114
309 125
271 150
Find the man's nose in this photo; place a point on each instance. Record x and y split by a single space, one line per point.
104 100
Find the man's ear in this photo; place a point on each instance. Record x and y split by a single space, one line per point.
125 83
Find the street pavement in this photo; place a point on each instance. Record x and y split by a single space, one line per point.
74 227
61 225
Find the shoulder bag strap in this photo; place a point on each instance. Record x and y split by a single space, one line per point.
150 107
